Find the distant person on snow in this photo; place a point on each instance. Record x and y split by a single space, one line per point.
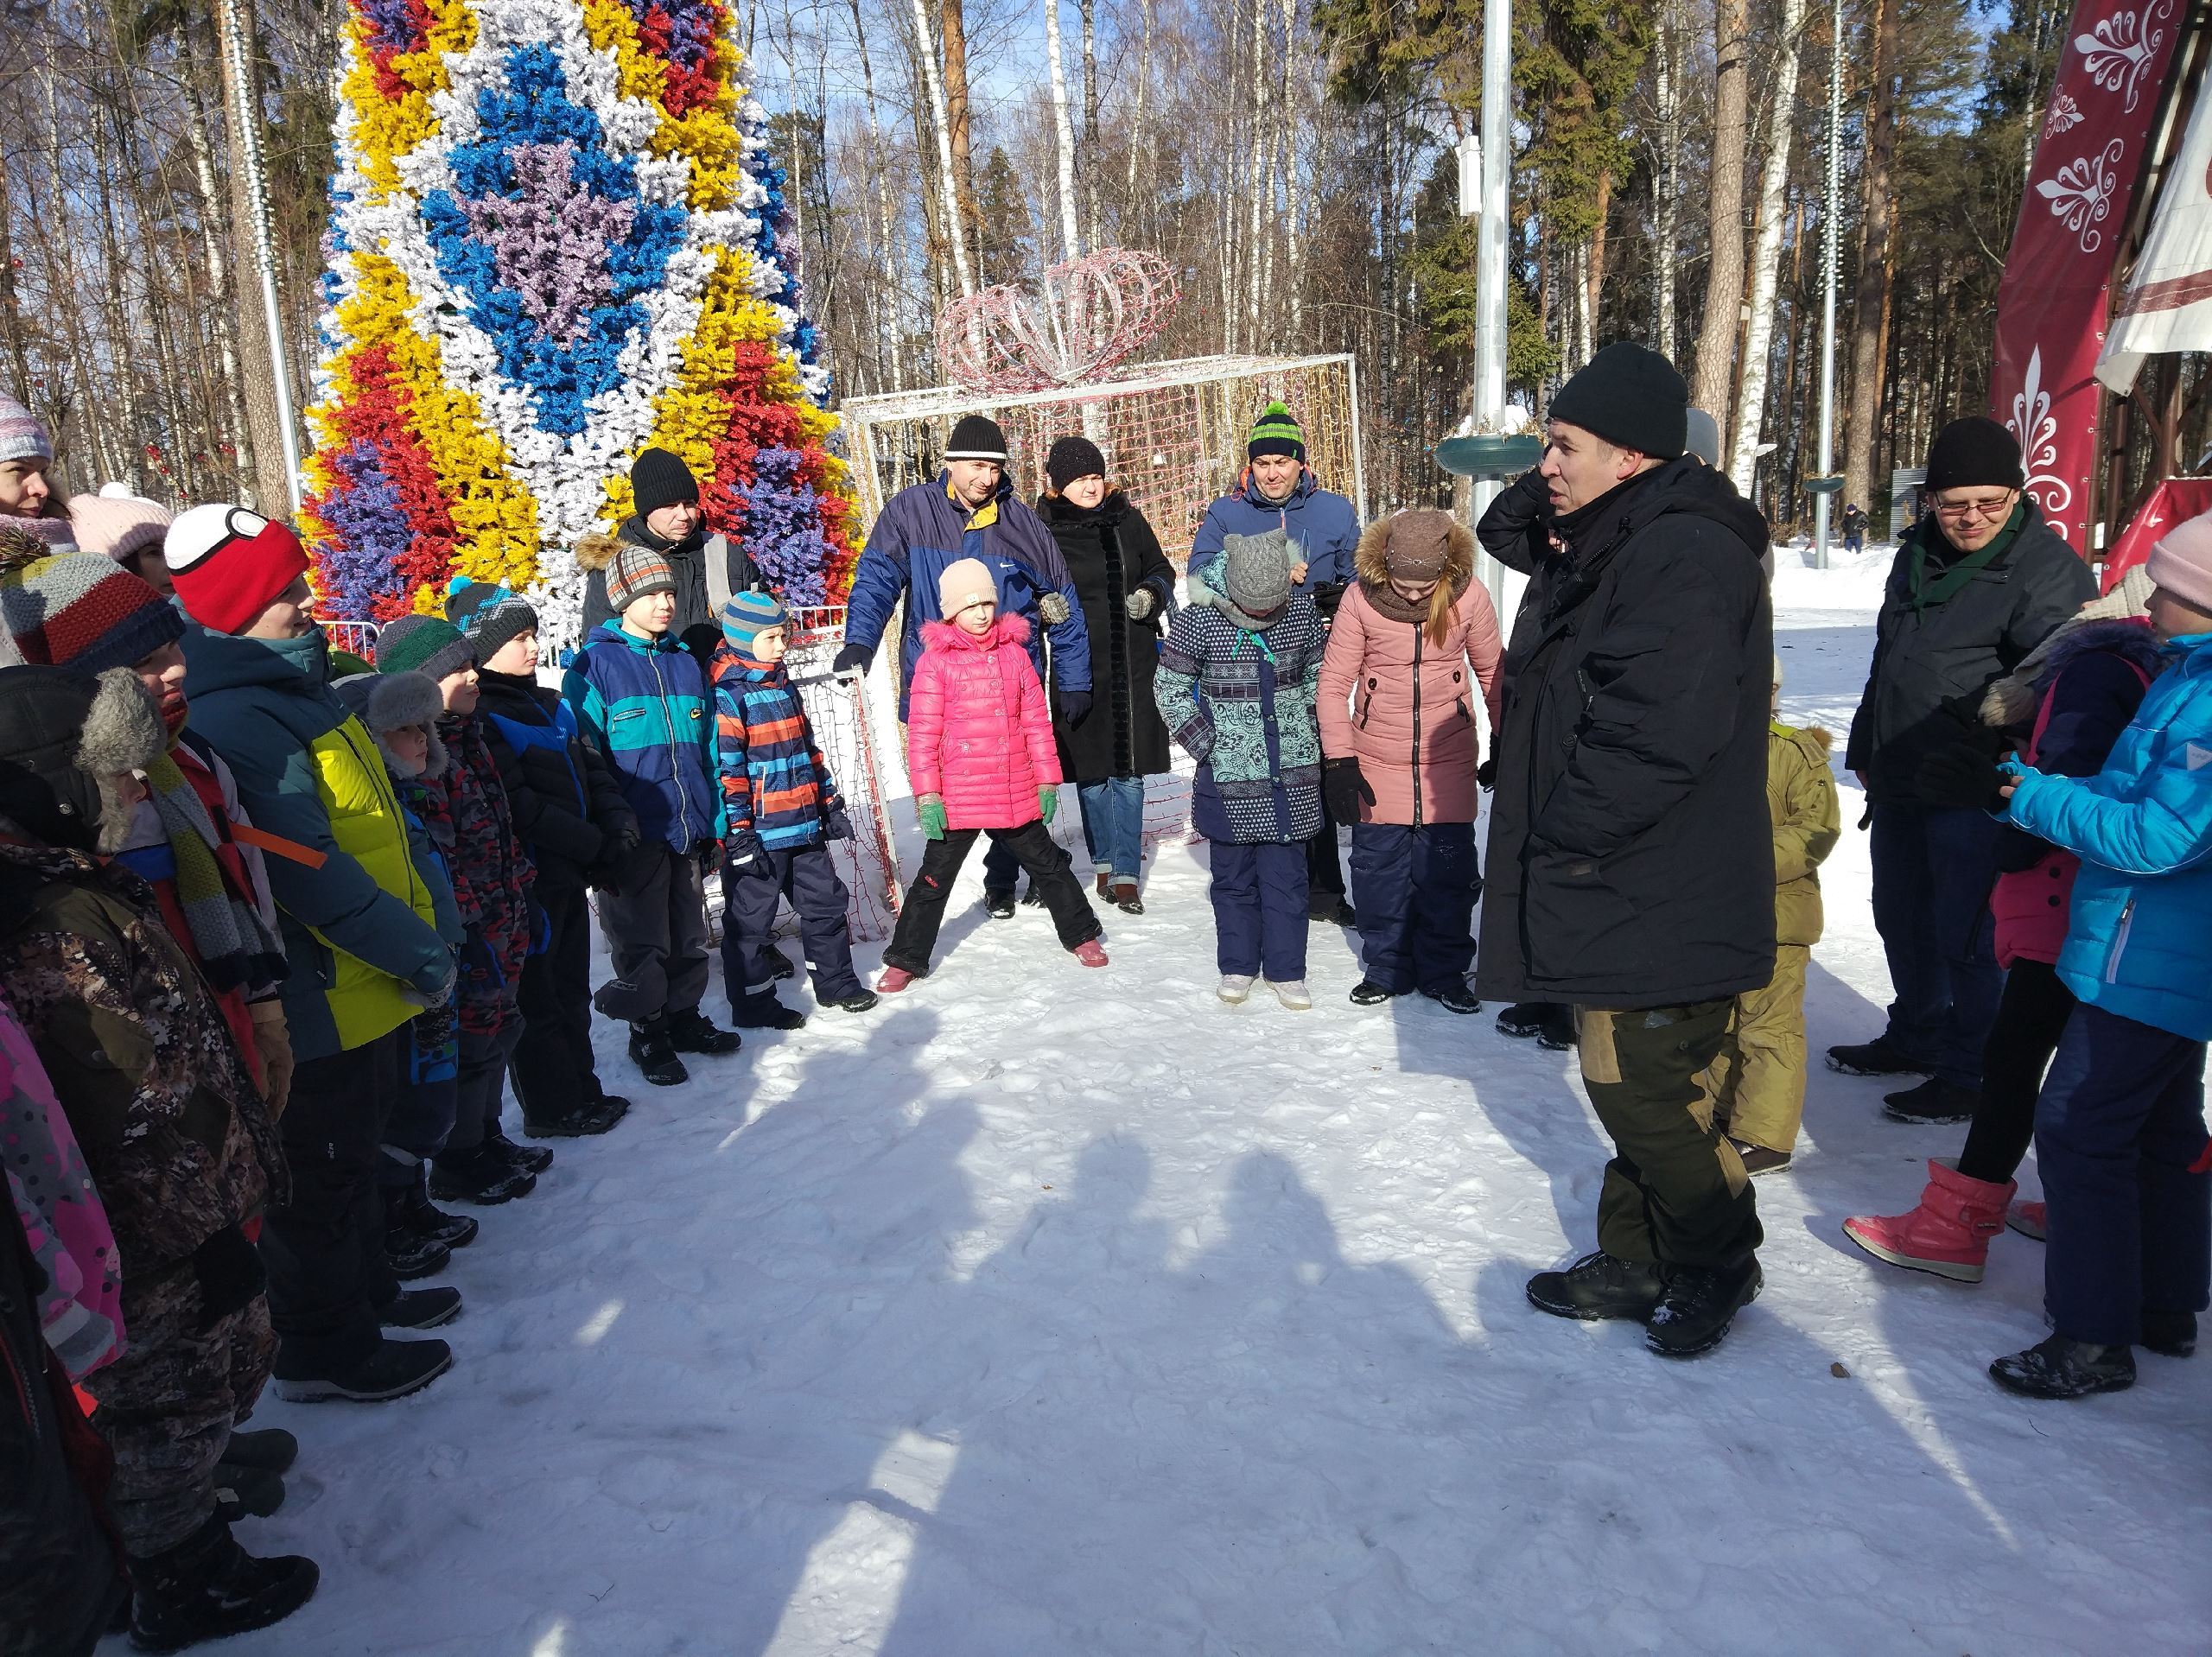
1278 491
1980 582
968 511
1631 859
1854 528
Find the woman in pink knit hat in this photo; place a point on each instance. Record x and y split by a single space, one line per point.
126 528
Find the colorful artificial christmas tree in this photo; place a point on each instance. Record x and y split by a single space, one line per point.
557 237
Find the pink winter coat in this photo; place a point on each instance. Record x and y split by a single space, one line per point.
1402 704
978 731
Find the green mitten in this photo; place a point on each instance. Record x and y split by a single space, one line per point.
932 812
1048 800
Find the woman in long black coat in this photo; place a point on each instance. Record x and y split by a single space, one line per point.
1126 584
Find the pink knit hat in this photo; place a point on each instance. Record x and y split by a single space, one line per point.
2181 560
120 526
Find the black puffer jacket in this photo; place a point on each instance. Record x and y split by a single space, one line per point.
1111 551
1632 859
1950 652
568 807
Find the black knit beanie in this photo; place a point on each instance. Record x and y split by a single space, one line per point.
1632 398
489 616
658 479
977 437
1975 452
1072 458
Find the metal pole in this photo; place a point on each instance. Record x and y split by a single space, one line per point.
1489 256
265 242
1825 503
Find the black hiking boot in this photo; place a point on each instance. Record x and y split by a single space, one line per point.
1454 998
428 1220
1934 1100
1368 992
1523 1019
1599 1286
859 1001
2060 1368
592 1116
1030 898
1879 1057
654 1054
2171 1334
207 1587
421 1309
693 1032
1556 1033
480 1174
531 1159
270 1449
410 1255
780 966
393 1370
1692 1316
764 1011
241 1491
998 905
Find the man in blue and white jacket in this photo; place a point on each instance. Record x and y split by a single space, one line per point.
968 511
2120 1125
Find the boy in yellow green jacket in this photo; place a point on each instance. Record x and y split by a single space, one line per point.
1757 1086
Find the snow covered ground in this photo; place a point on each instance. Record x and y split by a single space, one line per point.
1045 1312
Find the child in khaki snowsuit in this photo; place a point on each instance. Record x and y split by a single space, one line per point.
1757 1085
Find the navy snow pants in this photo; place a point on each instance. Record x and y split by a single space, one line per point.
1259 908
2120 1143
809 878
1414 891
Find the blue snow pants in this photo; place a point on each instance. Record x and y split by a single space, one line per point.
1414 891
809 878
1259 908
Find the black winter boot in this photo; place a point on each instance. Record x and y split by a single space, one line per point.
2170 1334
779 965
764 1011
999 905
1879 1057
410 1252
654 1054
271 1448
1454 998
693 1032
207 1587
592 1116
242 1490
1694 1314
1368 992
426 1220
421 1309
1599 1286
859 1001
478 1175
393 1370
1932 1100
1556 1033
2062 1368
531 1159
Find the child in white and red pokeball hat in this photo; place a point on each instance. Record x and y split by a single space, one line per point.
230 564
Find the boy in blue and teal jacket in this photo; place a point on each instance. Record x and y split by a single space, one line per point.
781 811
2120 1124
641 699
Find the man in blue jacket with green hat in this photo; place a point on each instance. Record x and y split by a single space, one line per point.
1277 490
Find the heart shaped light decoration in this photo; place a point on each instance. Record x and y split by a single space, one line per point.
1088 315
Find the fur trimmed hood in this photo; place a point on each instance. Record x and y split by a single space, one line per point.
1371 562
384 702
597 550
1006 628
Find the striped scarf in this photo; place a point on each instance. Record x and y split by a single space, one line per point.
233 945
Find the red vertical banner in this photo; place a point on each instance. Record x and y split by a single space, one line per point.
2052 306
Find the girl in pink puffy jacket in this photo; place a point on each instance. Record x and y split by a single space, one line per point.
1413 653
981 756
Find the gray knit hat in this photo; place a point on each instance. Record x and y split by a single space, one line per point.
23 435
1256 573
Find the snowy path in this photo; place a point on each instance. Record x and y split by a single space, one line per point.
1047 1312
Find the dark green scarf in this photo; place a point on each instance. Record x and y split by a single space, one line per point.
1956 575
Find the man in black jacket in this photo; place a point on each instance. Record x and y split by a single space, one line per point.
1632 859
708 568
1980 582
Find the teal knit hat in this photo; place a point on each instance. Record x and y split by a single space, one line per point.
747 615
428 644
1275 432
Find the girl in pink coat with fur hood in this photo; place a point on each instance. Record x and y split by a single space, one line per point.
981 756
1413 648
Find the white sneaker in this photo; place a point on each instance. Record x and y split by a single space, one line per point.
1293 995
1235 987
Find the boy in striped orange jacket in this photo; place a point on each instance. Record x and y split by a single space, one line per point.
783 811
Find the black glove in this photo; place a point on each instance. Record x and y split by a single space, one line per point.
852 659
741 850
1075 706
1344 788
1967 729
709 853
1326 597
1486 774
1961 775
229 1270
836 823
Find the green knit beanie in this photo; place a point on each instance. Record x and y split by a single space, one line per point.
428 644
1275 432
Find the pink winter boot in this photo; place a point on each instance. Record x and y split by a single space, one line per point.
1948 1234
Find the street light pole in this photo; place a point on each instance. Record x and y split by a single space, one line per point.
1489 401
1824 503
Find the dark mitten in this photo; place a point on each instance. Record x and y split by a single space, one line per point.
1344 788
836 823
741 850
229 1270
1486 774
1964 714
1960 775
1075 706
1326 597
854 658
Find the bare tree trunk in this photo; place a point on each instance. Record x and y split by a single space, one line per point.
1870 303
949 193
1666 180
1723 275
1594 275
214 234
241 103
1262 184
953 24
1062 133
887 247
1090 120
1766 257
1137 129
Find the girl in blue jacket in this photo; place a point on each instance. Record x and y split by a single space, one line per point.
2120 1124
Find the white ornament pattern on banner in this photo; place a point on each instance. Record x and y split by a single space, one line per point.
2116 50
2037 428
2065 115
2080 193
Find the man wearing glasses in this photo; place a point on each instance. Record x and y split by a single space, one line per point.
1979 583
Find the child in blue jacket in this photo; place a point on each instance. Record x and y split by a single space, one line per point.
641 699
2120 1124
